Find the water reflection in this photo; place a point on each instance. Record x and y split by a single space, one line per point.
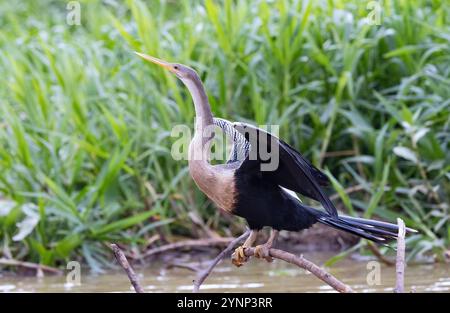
256 276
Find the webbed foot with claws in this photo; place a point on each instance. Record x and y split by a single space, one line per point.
238 258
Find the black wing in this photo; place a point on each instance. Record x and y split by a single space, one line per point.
293 171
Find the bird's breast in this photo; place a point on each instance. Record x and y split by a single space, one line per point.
216 182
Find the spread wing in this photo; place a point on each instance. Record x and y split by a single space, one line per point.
292 170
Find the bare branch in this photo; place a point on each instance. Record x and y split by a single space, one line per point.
376 252
279 254
300 261
121 258
333 154
348 191
187 266
34 266
189 243
202 275
400 263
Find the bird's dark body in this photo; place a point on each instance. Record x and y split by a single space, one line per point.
263 203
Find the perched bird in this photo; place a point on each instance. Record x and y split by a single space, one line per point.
246 186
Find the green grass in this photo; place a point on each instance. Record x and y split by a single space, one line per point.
85 124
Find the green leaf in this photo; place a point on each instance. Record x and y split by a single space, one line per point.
341 192
122 224
419 134
64 247
333 260
376 197
6 206
358 120
401 51
406 153
379 147
27 225
46 256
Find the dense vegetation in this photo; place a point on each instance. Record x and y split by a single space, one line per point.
85 124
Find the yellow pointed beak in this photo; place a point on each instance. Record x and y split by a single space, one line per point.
162 63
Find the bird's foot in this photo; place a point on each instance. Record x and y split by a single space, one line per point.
262 252
238 258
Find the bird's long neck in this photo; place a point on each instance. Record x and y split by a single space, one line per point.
215 183
199 149
203 115
201 142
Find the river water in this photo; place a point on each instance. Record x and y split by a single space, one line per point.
255 276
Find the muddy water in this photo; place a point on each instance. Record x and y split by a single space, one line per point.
256 276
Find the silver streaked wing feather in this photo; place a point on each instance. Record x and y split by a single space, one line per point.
240 147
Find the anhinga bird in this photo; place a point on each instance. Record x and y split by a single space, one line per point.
263 197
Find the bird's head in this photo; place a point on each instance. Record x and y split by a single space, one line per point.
183 72
193 83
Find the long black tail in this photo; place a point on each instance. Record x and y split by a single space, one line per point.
377 231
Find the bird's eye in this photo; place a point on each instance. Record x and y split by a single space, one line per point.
175 67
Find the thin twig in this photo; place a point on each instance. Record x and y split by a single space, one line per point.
376 252
356 188
300 261
198 221
121 258
202 275
188 244
332 154
400 262
34 266
187 266
348 191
